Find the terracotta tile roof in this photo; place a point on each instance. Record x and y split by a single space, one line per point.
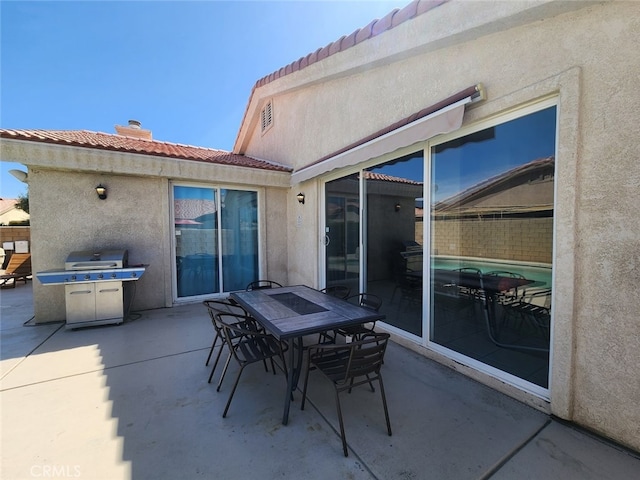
388 178
119 143
376 27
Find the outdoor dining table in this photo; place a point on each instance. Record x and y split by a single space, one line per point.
290 313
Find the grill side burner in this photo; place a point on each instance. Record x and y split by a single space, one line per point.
94 290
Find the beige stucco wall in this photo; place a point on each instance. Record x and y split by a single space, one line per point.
66 214
585 56
133 217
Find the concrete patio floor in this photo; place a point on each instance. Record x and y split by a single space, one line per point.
132 402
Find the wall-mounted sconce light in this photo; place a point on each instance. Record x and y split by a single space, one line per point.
102 192
20 175
397 207
300 198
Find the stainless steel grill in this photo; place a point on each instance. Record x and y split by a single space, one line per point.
95 285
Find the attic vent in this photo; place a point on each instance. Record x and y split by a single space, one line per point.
266 117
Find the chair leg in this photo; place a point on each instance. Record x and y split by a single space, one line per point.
384 404
215 364
224 371
233 390
212 347
342 435
273 365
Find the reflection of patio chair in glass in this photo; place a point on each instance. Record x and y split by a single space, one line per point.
410 286
348 366
260 284
457 301
197 274
248 346
527 321
510 295
408 281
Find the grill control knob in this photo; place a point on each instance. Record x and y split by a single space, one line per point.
100 276
73 278
87 277
113 275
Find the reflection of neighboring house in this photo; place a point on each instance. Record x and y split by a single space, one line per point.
9 212
192 208
526 189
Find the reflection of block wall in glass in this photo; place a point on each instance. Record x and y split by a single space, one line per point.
192 241
528 239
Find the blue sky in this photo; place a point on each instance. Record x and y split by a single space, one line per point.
183 69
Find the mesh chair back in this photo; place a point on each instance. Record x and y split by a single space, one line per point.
338 291
259 284
367 300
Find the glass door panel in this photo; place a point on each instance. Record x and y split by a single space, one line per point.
394 238
492 245
196 234
342 232
239 233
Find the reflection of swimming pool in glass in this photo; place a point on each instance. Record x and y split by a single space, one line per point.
538 272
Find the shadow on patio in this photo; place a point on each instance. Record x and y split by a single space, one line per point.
132 401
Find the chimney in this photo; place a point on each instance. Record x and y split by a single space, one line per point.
134 129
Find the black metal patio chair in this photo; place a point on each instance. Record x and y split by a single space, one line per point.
247 345
260 284
213 308
348 366
338 291
365 300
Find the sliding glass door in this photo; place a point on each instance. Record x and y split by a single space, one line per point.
483 292
216 239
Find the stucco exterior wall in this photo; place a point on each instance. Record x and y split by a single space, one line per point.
66 214
582 54
133 217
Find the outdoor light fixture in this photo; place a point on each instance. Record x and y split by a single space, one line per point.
397 207
20 175
300 198
102 192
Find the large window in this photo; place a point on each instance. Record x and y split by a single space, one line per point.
491 237
216 239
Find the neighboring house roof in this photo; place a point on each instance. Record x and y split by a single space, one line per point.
525 188
189 209
9 212
120 143
7 204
